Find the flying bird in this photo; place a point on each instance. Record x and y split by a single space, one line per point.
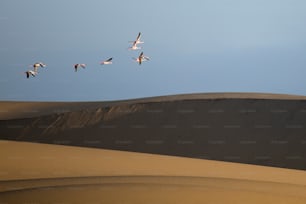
37 65
134 46
141 58
30 73
76 66
108 61
137 41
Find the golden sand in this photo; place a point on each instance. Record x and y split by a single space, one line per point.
40 173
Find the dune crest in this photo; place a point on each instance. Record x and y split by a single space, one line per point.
257 129
27 109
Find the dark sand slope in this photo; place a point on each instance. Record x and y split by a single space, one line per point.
259 129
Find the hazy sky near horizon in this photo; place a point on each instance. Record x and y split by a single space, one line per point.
194 46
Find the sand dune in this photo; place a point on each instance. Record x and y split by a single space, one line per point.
43 173
259 129
14 109
181 191
263 129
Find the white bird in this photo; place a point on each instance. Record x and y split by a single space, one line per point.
76 66
134 46
141 58
137 41
30 73
108 61
37 65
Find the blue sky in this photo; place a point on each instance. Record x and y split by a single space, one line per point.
194 46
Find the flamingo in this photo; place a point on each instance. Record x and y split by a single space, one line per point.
37 65
108 61
134 46
76 66
30 73
137 41
141 58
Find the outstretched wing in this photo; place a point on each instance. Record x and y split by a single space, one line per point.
138 37
110 59
32 73
42 64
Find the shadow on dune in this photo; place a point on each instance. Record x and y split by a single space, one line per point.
266 132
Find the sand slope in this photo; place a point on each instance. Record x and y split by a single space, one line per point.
43 173
263 129
19 109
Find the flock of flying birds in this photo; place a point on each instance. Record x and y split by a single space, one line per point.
141 58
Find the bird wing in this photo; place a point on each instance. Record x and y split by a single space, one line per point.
42 64
110 59
28 74
138 37
32 73
83 65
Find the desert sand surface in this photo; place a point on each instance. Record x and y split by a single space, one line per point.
251 128
43 173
